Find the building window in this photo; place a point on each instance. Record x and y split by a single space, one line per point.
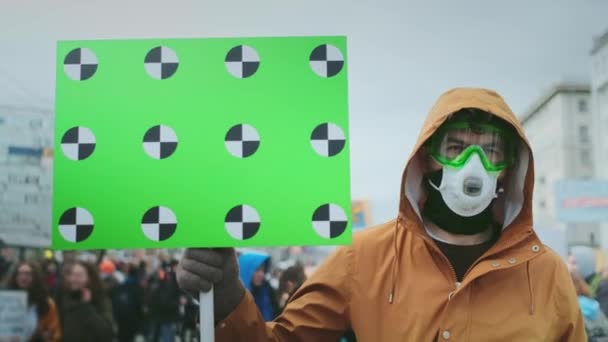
583 106
585 157
583 134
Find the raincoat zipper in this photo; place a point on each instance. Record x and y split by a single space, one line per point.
454 277
486 256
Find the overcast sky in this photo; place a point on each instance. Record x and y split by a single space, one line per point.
402 55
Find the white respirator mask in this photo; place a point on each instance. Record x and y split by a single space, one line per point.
469 190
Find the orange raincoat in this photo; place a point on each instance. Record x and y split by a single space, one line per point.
394 284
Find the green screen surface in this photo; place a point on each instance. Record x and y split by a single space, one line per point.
170 143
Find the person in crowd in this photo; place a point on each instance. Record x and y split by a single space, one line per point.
602 289
163 302
585 261
51 276
253 270
127 305
41 323
189 328
290 281
596 323
109 274
461 261
5 265
84 307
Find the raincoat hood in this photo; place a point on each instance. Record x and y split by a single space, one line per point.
249 262
515 202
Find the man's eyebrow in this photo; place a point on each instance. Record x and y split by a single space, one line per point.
493 144
455 140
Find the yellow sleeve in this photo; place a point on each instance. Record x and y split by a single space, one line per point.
318 311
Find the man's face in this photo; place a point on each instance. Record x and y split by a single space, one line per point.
456 141
258 277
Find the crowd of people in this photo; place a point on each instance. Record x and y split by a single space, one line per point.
114 300
117 301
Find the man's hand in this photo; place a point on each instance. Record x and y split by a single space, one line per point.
203 268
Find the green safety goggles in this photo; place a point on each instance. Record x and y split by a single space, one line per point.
454 143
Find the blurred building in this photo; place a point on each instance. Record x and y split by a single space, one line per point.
599 89
560 128
599 98
599 95
26 151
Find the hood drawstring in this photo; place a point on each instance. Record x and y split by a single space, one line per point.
395 262
531 294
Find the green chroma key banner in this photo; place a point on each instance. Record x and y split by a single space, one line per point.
201 143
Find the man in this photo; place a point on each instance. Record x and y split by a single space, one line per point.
291 279
461 262
164 301
253 269
127 302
